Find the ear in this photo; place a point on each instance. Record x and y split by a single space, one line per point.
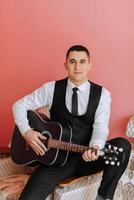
65 64
90 66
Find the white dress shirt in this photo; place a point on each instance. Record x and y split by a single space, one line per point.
43 96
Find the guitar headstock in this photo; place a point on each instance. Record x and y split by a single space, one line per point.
112 154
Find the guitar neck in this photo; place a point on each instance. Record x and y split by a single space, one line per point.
57 144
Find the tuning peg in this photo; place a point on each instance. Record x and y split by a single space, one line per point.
109 146
112 163
110 158
120 149
118 163
107 162
115 148
115 158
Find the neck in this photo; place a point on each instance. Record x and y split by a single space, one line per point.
78 83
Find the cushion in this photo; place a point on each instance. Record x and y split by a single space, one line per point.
130 127
12 186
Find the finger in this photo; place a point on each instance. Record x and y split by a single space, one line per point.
87 155
95 152
37 147
41 145
41 136
90 156
93 156
40 142
84 158
35 150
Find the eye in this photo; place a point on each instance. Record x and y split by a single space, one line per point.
83 61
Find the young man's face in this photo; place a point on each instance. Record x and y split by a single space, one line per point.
78 66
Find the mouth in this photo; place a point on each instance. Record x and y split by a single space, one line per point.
77 72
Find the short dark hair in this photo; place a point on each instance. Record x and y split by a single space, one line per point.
77 48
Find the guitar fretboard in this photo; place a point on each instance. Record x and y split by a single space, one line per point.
52 143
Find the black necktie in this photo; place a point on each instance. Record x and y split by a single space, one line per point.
75 101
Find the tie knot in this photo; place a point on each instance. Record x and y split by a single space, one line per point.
75 89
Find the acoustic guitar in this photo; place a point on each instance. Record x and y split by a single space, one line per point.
58 144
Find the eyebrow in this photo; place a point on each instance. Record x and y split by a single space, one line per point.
72 59
83 59
75 60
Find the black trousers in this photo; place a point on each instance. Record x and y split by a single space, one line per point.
45 178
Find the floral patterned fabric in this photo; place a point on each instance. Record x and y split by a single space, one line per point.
130 127
12 186
125 189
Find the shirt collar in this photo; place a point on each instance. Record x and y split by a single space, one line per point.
84 86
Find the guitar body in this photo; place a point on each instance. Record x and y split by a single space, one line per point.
21 153
58 143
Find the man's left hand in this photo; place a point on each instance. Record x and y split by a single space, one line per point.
91 154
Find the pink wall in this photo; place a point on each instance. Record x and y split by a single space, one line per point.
34 36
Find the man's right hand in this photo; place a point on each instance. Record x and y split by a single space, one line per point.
33 139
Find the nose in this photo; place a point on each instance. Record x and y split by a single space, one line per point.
77 66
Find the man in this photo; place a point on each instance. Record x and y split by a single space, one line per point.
89 124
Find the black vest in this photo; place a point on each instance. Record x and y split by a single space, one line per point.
81 125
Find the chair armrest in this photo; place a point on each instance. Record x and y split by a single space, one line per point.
74 180
69 181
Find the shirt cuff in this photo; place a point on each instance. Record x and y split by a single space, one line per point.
99 143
